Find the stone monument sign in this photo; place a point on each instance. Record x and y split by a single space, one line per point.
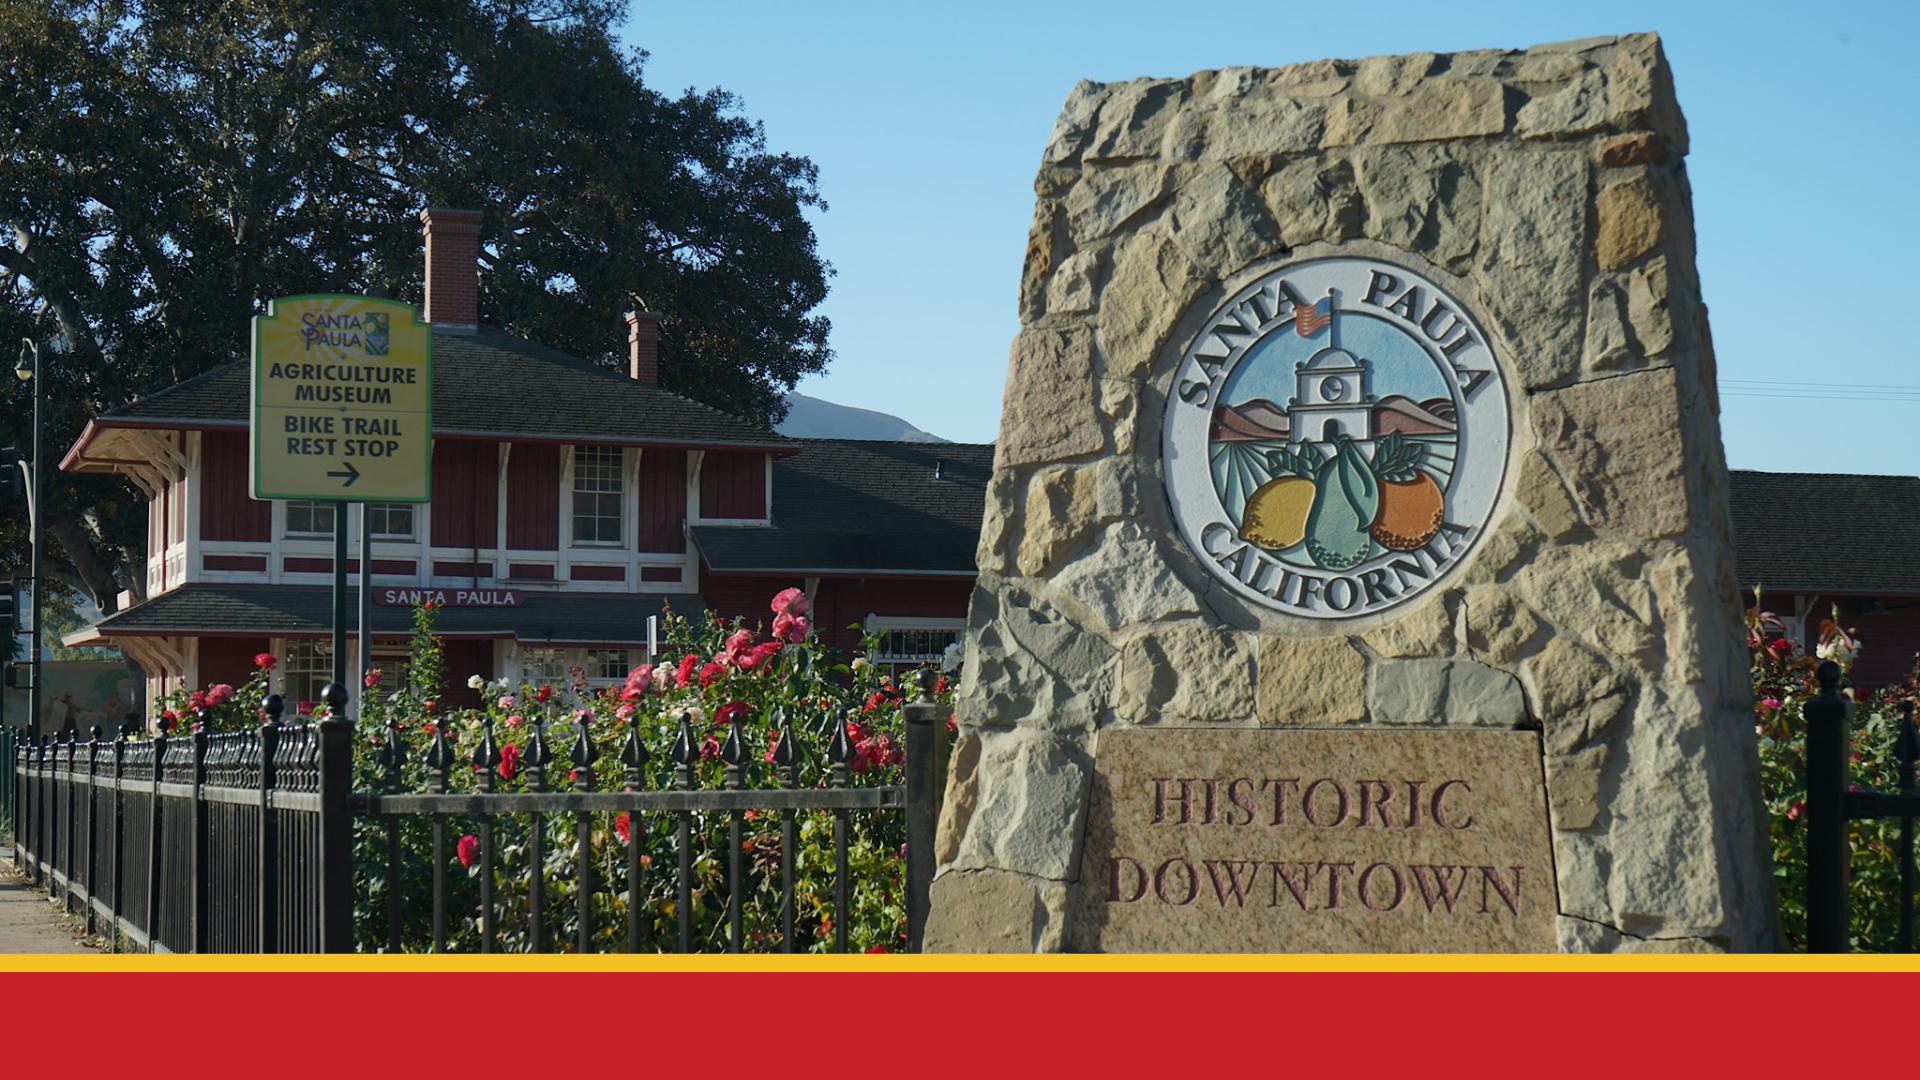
1355 573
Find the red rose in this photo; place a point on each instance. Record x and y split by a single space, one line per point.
878 949
541 695
263 660
709 674
688 665
1796 809
469 850
623 825
1780 647
509 761
730 711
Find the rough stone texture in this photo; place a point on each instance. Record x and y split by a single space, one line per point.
1052 417
1540 490
1219 224
1616 440
1310 681
1154 880
1185 673
1547 188
1456 692
1630 222
1032 791
1125 580
1500 627
1427 630
984 912
1536 234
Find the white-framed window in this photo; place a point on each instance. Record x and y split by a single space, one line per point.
541 664
310 517
913 641
608 663
308 667
599 488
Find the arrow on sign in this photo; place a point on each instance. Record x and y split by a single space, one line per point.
351 474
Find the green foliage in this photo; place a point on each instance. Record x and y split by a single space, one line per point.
1783 683
170 166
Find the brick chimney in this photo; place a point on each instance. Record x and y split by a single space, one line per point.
453 268
643 347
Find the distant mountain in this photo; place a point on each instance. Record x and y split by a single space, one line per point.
1249 420
812 418
1397 413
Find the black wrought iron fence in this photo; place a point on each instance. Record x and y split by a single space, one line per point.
1832 803
246 841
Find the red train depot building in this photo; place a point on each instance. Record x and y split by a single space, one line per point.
569 503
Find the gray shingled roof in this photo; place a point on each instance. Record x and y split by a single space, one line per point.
1827 532
848 506
491 383
278 610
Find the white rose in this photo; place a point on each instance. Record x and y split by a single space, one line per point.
860 663
950 659
476 682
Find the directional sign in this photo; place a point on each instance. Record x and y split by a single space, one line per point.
342 400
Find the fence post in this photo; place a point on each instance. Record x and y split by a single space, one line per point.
269 828
198 886
116 896
1907 752
89 863
926 783
1828 853
336 823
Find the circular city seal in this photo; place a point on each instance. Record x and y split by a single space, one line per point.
1336 436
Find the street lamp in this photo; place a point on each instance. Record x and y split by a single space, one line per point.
25 370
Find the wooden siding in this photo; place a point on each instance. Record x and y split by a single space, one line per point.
733 485
663 501
229 659
466 494
227 512
533 497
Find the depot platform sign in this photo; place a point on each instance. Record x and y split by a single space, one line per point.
342 400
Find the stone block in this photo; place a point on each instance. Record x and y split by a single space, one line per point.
962 795
1532 260
997 524
1124 579
1392 76
1576 695
1444 107
1134 117
1424 197
1186 673
1311 681
1312 199
1631 222
1217 840
1500 627
1574 787
1610 346
1032 793
1152 283
1028 664
1540 490
1640 91
1647 292
1048 411
983 911
1454 691
1258 125
1219 224
1576 108
1619 443
1075 125
1071 289
1107 199
1639 148
1057 513
1427 630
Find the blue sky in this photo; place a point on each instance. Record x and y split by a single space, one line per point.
927 122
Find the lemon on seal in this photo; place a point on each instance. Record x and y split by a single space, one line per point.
1276 514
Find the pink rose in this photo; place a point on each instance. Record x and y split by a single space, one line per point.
220 694
516 720
506 702
790 627
739 643
639 681
791 602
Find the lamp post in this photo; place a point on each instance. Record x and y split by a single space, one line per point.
28 370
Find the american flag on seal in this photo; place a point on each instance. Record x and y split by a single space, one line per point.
1310 321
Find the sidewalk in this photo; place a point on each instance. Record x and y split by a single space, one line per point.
28 923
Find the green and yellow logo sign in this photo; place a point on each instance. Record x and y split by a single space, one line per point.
342 400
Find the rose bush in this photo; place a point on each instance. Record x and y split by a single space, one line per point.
1783 682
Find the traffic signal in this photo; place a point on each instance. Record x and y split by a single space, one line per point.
12 480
